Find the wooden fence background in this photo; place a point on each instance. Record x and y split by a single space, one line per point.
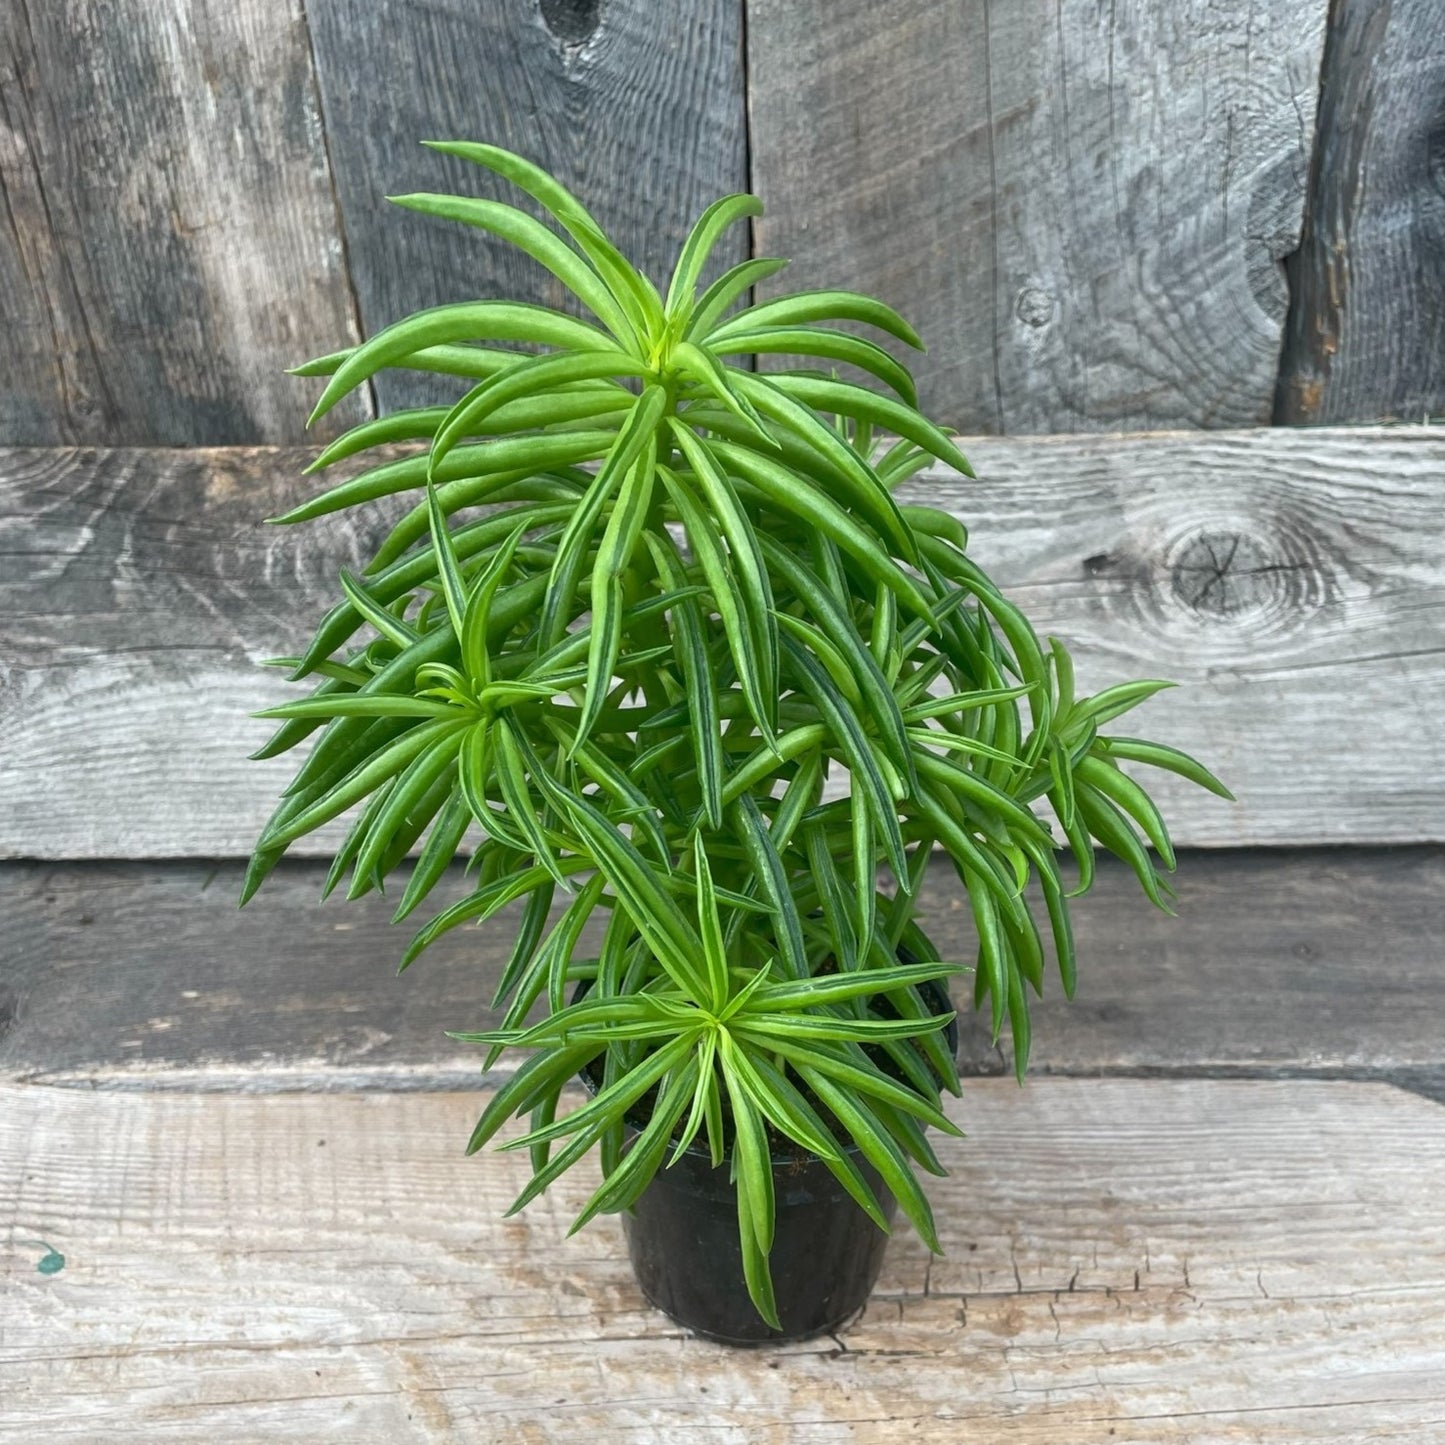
1133 236
1180 265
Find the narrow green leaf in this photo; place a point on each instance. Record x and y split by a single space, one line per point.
358 705
755 593
709 927
1112 829
637 433
804 307
772 879
1157 755
854 744
813 509
640 890
697 671
482 904
613 1102
615 552
528 235
454 588
631 290
463 321
704 235
879 1148
530 376
411 786
484 469
832 345
476 616
507 761
865 491
1126 794
476 765
390 761
752 1160
726 290
441 847
399 426
623 1186
1105 706
537 1076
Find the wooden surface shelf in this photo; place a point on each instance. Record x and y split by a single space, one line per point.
1192 1260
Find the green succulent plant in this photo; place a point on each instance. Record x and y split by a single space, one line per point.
657 645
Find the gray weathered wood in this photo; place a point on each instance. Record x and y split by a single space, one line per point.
1289 580
1125 1260
170 238
1325 962
1082 207
1292 580
637 107
1366 338
140 589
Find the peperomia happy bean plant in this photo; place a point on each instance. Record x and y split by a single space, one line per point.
658 646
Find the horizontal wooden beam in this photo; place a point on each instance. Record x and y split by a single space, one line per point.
1292 580
1123 1259
1322 962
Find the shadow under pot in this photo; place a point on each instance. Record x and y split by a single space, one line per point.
682 1237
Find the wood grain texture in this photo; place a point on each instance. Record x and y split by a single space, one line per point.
1290 579
140 591
169 238
132 975
1197 1261
638 108
1366 338
1082 207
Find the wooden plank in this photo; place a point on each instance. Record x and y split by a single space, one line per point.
1292 581
1287 579
131 975
170 239
638 108
1082 207
1194 1261
140 590
1366 337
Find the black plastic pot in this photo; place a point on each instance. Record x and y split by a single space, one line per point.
682 1236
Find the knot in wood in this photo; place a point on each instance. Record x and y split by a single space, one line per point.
573 22
1237 575
1034 307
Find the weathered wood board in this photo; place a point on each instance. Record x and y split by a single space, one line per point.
171 240
1325 963
140 591
1198 1261
1366 338
1288 579
1291 579
1082 207
637 107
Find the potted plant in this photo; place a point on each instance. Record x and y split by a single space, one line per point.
658 648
